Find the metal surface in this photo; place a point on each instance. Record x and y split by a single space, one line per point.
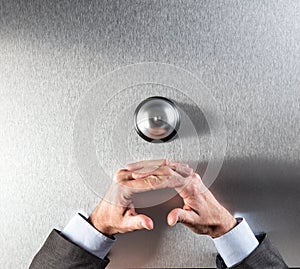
157 119
51 52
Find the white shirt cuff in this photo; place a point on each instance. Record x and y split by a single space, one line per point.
83 234
237 244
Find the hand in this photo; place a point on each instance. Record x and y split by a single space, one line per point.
116 212
201 212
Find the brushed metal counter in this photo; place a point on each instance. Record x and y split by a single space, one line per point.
51 52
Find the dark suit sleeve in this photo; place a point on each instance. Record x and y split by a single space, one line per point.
265 256
59 253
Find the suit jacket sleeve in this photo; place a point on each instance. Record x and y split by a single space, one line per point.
264 256
59 253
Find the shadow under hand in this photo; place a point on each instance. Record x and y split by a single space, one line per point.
136 249
266 193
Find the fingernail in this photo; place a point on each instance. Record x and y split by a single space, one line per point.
149 228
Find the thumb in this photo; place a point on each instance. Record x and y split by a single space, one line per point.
180 215
140 221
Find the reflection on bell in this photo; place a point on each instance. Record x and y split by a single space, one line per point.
157 119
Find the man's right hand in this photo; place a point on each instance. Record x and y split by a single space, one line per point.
201 212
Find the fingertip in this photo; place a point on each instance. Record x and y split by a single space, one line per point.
172 219
196 175
128 167
133 166
148 224
171 222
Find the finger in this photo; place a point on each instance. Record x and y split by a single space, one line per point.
159 171
193 187
181 169
174 164
180 215
139 222
147 169
154 183
123 175
148 163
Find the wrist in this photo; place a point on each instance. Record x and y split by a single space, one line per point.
101 227
224 227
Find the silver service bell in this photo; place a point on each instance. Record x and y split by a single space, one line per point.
157 119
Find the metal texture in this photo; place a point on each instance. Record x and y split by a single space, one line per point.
51 52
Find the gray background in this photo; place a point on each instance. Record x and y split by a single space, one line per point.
51 52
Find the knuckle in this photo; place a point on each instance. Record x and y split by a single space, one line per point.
178 179
167 170
196 176
122 184
119 176
164 162
192 190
